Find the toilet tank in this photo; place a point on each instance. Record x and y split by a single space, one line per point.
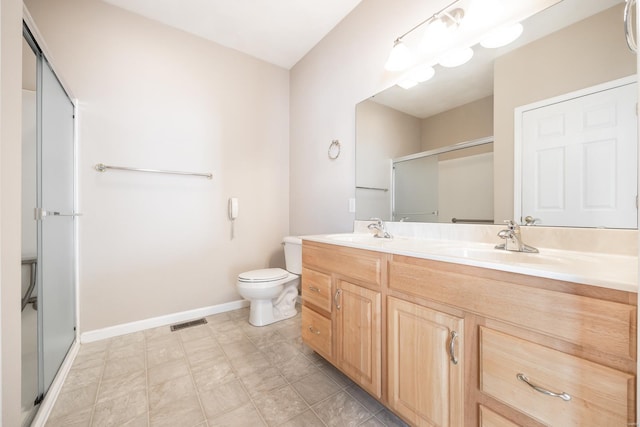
293 254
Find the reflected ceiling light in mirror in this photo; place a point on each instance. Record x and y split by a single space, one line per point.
407 83
400 57
419 74
502 36
422 73
456 57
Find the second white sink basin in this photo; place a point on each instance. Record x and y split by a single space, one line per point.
491 254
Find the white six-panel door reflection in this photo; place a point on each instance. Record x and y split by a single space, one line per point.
579 160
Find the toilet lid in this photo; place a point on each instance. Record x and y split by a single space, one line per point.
264 275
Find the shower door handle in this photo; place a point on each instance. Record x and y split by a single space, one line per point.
41 214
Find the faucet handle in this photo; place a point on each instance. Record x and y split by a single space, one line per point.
376 224
511 224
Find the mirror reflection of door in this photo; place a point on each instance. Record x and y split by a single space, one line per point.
579 160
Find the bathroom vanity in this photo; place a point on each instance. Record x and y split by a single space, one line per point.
447 334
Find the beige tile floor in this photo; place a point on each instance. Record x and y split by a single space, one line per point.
224 373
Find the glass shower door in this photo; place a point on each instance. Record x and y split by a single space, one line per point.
55 214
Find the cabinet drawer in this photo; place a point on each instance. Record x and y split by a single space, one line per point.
488 418
316 332
591 323
357 264
316 289
595 395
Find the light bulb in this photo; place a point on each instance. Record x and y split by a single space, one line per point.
456 57
440 31
400 57
502 36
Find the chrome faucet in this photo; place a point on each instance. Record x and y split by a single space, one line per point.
513 239
381 230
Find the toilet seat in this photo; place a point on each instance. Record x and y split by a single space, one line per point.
264 275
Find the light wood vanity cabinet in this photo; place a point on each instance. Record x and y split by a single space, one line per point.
359 335
341 291
425 364
387 321
551 386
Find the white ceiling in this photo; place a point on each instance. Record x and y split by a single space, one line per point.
277 31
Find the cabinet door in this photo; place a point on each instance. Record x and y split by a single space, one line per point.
358 335
425 356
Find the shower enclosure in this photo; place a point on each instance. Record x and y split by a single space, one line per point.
48 226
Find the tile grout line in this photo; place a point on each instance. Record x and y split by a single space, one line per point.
146 380
193 380
104 368
235 372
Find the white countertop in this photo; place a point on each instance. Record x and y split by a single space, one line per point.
589 268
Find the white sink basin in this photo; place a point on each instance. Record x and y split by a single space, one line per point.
499 255
356 238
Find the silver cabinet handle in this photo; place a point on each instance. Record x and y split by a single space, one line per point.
313 330
628 27
314 289
336 300
452 351
564 396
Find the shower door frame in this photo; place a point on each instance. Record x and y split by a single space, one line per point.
47 380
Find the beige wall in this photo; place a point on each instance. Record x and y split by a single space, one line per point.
465 123
10 152
571 59
155 97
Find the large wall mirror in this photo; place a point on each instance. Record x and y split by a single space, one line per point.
443 151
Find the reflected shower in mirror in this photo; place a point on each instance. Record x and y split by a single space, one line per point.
570 46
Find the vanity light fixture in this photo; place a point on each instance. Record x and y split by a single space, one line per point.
456 57
400 57
439 31
502 36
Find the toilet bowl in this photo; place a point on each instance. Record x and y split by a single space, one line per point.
272 292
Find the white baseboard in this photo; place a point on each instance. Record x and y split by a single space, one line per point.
154 322
46 406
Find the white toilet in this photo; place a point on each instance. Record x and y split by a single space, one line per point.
273 291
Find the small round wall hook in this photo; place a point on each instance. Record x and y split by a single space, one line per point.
334 149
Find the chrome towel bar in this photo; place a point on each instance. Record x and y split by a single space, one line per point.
372 188
472 221
102 168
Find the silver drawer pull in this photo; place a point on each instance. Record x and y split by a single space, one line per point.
564 396
314 289
313 330
335 298
452 351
